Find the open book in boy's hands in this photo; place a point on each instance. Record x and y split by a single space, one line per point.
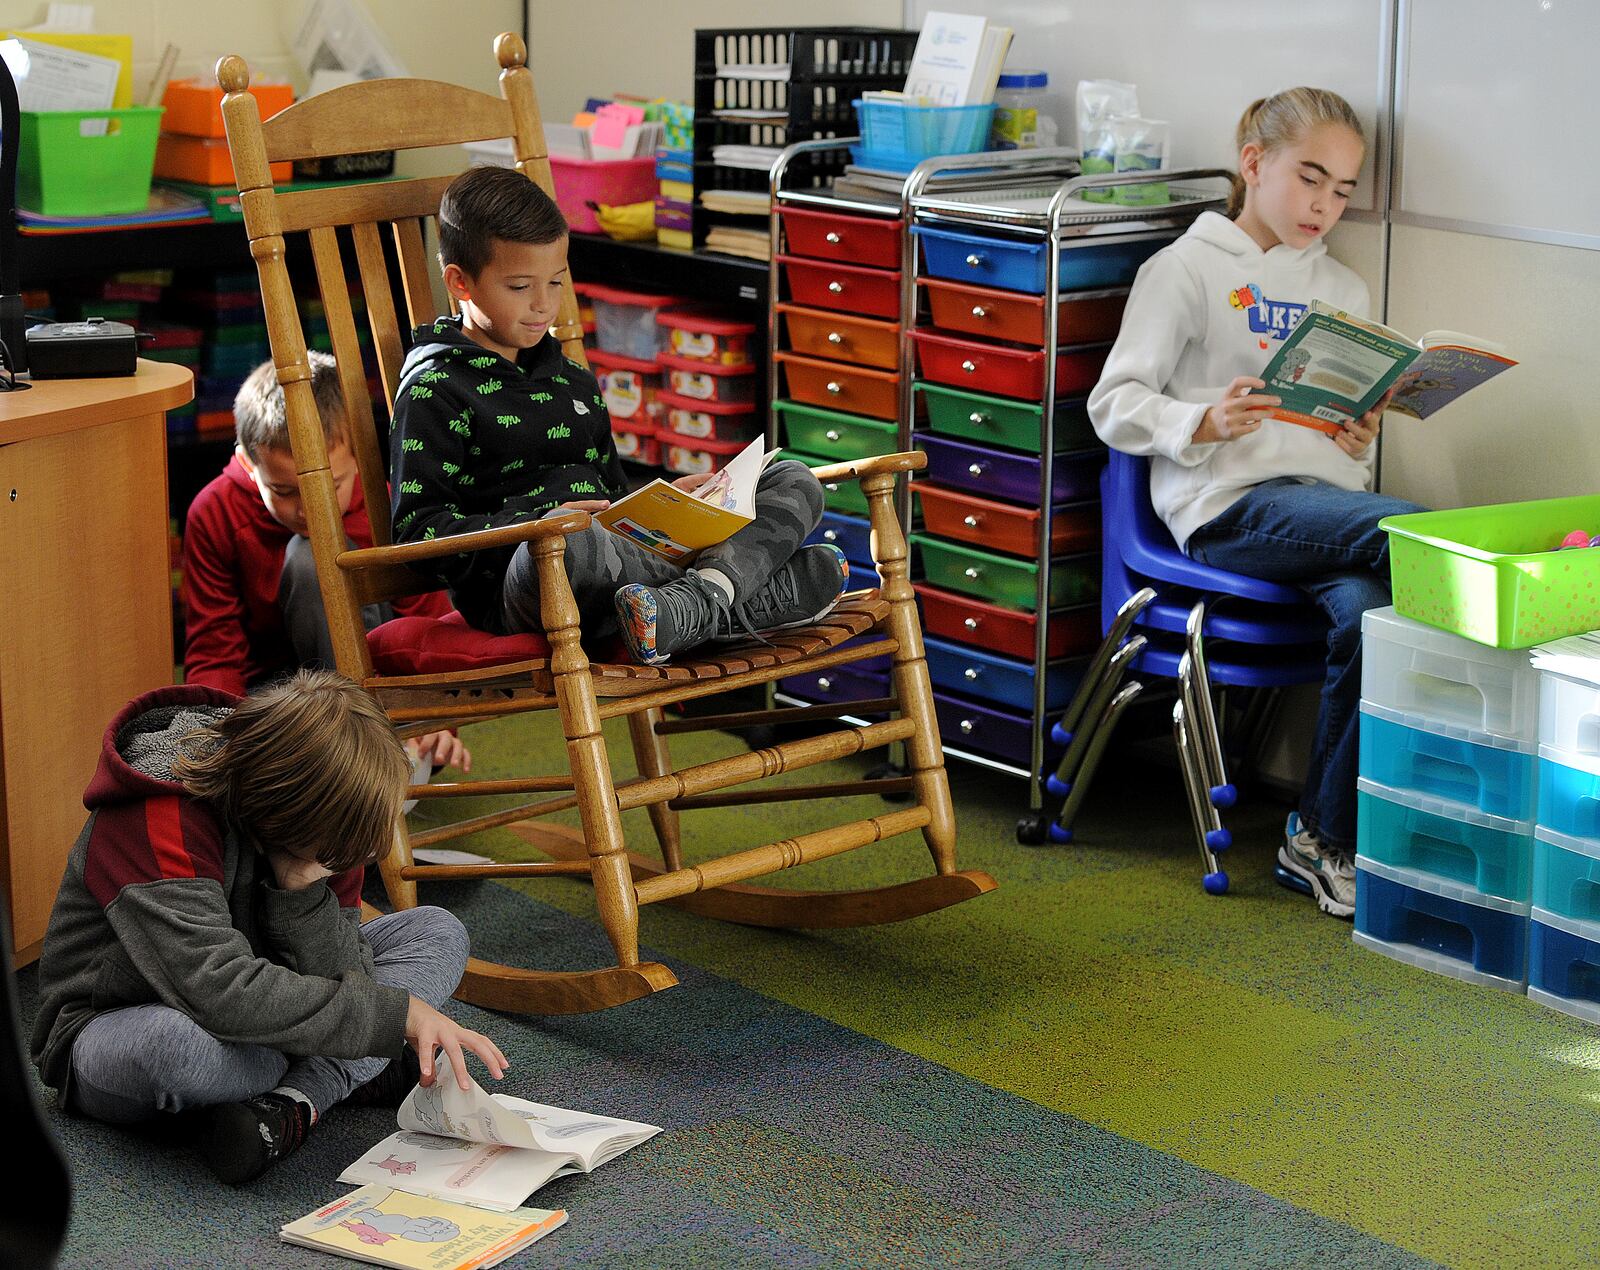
675 524
1335 367
489 1150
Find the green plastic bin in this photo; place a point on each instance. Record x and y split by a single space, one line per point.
1005 580
1004 421
832 433
64 169
1489 574
843 496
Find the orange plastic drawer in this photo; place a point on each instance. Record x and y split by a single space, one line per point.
203 160
839 387
843 338
194 106
1082 317
947 615
874 292
856 240
1003 370
1007 527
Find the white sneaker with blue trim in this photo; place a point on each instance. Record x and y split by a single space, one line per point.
1331 874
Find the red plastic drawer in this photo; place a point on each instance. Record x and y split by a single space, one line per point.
875 292
1007 527
1082 317
843 338
859 240
1007 372
840 387
710 381
946 615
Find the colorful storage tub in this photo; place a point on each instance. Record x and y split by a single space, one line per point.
965 620
838 684
1564 964
86 162
1003 580
1445 839
1441 926
833 435
194 106
714 420
1447 681
1492 573
1495 776
696 335
204 161
625 321
965 517
851 534
1569 793
897 134
844 497
1566 874
637 441
1569 717
1005 735
1004 681
1002 474
856 240
615 182
874 292
837 386
1004 371
1001 421
844 338
630 388
1016 265
1082 317
688 457
707 381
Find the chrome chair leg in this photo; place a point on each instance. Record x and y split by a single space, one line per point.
1193 698
1062 730
1201 812
1060 783
1061 828
1203 716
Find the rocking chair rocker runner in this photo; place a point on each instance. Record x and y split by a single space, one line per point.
431 674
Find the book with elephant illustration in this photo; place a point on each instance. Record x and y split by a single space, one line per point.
489 1150
1336 366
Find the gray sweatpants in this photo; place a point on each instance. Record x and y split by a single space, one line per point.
788 508
305 621
132 1064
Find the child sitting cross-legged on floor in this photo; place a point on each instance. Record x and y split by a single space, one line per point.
493 426
205 953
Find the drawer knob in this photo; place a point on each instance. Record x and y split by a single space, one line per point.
824 683
967 725
836 287
974 260
969 366
975 469
971 522
978 418
835 387
978 311
830 535
973 573
831 236
971 623
832 487
832 434
835 338
971 672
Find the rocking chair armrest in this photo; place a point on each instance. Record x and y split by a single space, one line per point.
855 469
557 525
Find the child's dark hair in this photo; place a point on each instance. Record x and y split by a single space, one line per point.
486 203
309 765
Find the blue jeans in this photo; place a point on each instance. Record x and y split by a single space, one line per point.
1326 541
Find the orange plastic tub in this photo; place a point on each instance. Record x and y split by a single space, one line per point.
203 160
844 338
1006 526
1083 317
840 387
194 106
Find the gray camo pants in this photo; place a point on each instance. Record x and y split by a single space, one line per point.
788 508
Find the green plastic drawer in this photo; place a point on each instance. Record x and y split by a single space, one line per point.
843 496
832 434
1004 420
1011 583
1492 575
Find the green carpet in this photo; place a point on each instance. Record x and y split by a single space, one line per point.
1245 1035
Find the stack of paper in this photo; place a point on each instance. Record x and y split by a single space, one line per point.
759 158
752 244
738 202
957 61
1576 656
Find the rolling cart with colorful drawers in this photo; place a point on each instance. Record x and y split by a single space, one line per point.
1009 548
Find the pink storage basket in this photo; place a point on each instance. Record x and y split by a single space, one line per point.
609 181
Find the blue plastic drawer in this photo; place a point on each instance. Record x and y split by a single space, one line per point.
1441 926
1493 778
1004 681
851 534
1445 840
1569 797
1564 964
838 684
1566 874
1013 265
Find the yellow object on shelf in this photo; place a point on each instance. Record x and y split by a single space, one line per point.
119 48
627 222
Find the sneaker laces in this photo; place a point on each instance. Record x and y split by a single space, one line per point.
781 591
1341 861
687 612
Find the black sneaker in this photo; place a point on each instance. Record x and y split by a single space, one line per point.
390 1086
242 1140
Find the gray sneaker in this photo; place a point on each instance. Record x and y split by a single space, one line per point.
802 592
1330 873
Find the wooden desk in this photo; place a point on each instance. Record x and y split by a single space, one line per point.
85 609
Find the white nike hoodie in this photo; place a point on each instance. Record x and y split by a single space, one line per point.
1203 311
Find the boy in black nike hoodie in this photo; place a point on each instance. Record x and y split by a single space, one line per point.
205 951
493 426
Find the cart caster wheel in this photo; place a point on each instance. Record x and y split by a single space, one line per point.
1059 833
887 771
1219 839
1224 796
1293 881
1031 829
1215 883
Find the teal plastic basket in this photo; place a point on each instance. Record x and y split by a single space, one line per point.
898 136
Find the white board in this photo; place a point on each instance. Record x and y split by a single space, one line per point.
1501 114
1199 63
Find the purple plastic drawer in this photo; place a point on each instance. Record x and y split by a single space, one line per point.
1002 734
839 684
1007 474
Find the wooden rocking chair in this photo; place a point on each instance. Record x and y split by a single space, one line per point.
431 674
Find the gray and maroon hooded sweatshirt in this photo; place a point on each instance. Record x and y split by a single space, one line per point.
165 903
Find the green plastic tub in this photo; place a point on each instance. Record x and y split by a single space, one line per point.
1004 421
843 496
1490 574
1005 580
65 169
832 434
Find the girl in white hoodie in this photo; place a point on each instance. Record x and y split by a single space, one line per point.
1238 488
